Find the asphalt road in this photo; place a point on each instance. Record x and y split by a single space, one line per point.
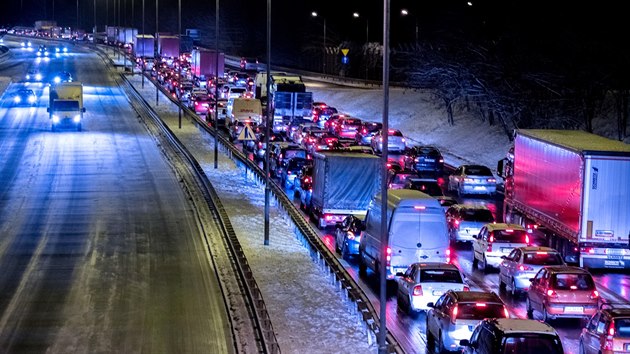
100 248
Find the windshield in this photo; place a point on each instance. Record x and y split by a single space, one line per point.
483 215
440 276
622 327
478 171
66 105
516 236
432 189
543 258
532 344
289 154
479 311
573 281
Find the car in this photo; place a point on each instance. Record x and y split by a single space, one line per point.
466 220
293 126
312 136
346 128
366 132
321 112
202 103
331 123
514 336
607 331
261 143
424 185
395 141
562 291
62 76
397 179
424 283
325 141
34 75
25 97
303 130
456 313
424 159
302 176
446 201
495 240
472 179
522 264
42 50
281 153
291 170
348 236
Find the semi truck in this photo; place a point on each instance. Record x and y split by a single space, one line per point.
126 36
344 182
290 99
168 46
65 105
204 64
144 46
571 190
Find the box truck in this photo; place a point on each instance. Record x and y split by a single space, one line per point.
204 64
343 184
168 46
144 46
65 105
572 189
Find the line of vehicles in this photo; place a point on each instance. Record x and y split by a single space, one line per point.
330 161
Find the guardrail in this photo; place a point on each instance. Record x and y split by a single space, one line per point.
319 252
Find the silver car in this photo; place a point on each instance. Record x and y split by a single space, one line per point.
424 283
472 179
466 220
456 314
522 264
495 241
396 142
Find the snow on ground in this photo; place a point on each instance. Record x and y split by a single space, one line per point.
307 313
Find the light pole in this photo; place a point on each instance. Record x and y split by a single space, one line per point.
77 28
179 89
268 123
143 57
405 12
157 90
216 85
315 14
367 40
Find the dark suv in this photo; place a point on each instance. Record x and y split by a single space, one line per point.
608 331
424 159
513 335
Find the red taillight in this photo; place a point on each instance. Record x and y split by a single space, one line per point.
364 131
611 330
389 255
552 293
288 172
307 180
455 311
527 239
505 312
328 217
456 222
594 295
523 268
417 290
350 235
466 288
608 344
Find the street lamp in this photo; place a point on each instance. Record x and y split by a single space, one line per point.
405 12
315 14
367 40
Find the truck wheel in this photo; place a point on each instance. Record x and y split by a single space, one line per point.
475 262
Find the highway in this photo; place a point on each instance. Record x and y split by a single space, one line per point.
101 250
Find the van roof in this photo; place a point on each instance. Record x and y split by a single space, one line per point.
408 197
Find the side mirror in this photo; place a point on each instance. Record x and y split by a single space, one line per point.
533 281
83 109
464 343
503 257
400 274
431 305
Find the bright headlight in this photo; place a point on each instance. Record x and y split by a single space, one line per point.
39 54
31 99
65 50
77 118
17 99
55 118
38 77
57 79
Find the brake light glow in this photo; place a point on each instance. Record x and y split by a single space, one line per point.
611 330
389 255
417 290
328 217
492 180
509 230
419 207
455 311
527 239
466 288
552 293
594 295
456 222
480 304
523 268
505 312
350 235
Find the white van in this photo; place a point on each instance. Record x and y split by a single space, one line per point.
417 232
241 109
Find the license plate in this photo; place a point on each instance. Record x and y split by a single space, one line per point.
626 346
614 251
506 250
479 188
437 293
429 160
578 309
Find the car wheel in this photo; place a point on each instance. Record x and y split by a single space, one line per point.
581 349
486 268
430 342
344 250
529 309
514 292
337 248
502 285
545 315
440 344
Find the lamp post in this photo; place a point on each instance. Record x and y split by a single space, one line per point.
179 90
268 124
367 40
77 28
404 13
94 29
315 14
157 23
216 85
143 57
